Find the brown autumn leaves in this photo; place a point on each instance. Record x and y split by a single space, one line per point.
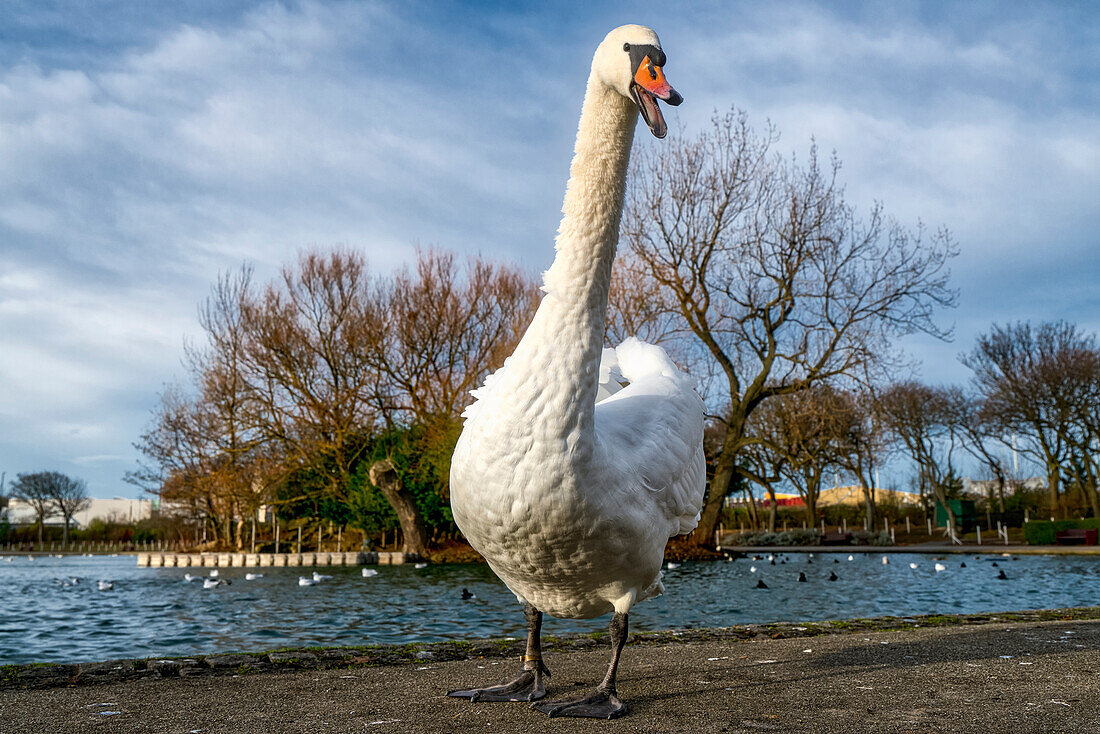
750 267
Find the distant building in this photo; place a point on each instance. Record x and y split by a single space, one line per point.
984 487
115 509
849 495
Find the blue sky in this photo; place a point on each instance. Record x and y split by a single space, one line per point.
144 147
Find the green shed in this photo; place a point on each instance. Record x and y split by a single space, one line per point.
966 514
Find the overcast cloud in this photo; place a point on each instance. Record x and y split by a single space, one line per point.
144 147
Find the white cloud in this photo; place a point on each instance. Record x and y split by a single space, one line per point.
133 170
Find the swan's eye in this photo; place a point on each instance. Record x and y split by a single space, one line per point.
652 72
626 47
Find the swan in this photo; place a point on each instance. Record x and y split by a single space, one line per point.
306 581
368 572
253 576
319 577
940 567
568 484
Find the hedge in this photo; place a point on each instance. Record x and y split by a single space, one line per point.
1042 533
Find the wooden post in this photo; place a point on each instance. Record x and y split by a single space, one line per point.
339 539
253 533
299 540
276 534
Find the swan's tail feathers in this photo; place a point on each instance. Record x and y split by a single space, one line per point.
637 359
611 377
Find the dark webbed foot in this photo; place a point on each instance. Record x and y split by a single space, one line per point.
527 687
601 704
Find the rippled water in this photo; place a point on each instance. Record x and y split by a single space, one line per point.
153 611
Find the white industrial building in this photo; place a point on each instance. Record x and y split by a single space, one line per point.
118 509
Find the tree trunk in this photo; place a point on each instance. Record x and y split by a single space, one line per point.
383 475
941 497
725 470
41 522
65 538
772 508
1052 489
754 516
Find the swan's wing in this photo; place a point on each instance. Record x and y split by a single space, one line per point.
651 432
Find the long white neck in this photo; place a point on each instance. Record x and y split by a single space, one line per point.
557 361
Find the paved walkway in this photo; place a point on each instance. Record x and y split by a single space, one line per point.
995 677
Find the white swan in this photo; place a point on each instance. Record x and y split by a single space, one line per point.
306 581
568 487
368 572
253 576
319 577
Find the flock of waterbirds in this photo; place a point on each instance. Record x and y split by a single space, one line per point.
772 558
214 579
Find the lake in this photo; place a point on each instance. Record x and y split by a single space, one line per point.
44 617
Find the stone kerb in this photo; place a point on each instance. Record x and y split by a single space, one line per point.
209 559
278 559
251 560
143 559
308 559
266 558
236 559
294 559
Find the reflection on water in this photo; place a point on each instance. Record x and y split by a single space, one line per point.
152 611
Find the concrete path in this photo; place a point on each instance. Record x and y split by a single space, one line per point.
996 677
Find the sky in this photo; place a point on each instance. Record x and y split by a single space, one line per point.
147 147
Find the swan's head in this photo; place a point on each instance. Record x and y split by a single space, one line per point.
630 61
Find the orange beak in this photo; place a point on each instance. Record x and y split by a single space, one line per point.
648 86
651 78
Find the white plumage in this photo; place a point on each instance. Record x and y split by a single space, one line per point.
577 463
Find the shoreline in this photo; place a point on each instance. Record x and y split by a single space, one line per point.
678 552
285 660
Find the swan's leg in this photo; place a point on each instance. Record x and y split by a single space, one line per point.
528 686
603 702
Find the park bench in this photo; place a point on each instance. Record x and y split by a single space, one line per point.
836 539
1082 536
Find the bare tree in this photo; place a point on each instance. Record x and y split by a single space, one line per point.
922 419
37 490
307 360
981 437
1035 381
803 434
70 496
772 275
443 328
866 443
